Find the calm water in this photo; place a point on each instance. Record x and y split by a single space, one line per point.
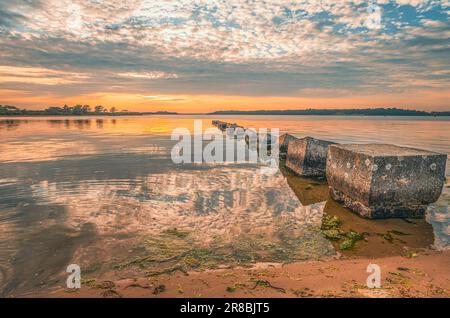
103 193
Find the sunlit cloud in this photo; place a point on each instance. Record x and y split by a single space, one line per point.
164 98
36 75
149 75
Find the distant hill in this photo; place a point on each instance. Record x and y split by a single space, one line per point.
336 112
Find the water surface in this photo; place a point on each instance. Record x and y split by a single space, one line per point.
104 193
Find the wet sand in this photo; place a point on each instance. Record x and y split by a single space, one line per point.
423 275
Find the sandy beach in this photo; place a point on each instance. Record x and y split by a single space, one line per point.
422 275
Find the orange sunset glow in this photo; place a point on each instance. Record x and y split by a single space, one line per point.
426 100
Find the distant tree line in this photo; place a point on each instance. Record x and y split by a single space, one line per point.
337 112
77 110
82 110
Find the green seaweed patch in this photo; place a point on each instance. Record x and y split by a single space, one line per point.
330 228
355 236
332 234
231 289
175 251
347 244
236 286
92 283
350 239
330 222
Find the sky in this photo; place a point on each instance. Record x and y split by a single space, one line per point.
206 55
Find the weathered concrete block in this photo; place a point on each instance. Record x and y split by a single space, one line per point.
385 181
284 141
307 156
220 124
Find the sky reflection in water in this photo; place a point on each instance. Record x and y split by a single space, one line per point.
92 190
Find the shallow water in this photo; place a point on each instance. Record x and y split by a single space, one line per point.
104 193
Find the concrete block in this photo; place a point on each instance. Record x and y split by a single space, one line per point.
385 181
307 156
284 141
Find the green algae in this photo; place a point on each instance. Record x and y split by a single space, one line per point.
175 251
332 234
231 289
330 228
93 283
330 222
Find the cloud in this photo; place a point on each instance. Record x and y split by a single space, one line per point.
163 98
36 75
219 47
148 75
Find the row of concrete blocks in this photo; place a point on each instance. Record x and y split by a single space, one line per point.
224 125
373 180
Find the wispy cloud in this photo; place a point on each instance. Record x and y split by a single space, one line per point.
40 76
148 75
163 98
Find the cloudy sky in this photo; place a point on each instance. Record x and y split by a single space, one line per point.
204 55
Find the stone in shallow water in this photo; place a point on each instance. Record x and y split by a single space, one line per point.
284 141
307 156
385 181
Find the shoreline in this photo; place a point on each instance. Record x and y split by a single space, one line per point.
424 275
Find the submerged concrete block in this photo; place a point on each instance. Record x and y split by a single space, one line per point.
385 181
284 141
307 156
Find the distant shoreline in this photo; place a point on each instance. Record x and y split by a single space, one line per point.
338 112
86 115
207 114
83 111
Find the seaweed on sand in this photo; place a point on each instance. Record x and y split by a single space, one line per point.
267 284
176 251
331 230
